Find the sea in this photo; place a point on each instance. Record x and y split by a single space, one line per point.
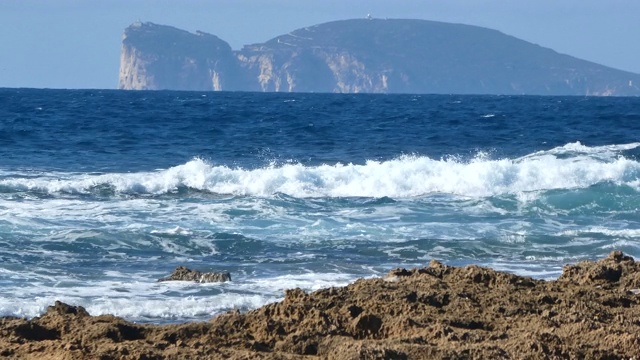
103 192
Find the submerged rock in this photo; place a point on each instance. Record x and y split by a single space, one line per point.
182 273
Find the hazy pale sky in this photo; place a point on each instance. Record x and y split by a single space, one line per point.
76 43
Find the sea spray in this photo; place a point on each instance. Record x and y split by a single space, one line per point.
408 176
99 201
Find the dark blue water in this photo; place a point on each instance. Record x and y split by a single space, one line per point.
102 192
124 131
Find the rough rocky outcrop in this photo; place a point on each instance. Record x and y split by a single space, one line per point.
363 56
182 273
438 312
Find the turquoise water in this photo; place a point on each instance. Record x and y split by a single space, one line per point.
103 192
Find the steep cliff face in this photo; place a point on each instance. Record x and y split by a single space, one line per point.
155 57
366 55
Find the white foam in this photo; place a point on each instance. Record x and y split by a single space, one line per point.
622 233
308 282
616 245
188 307
578 148
531 268
173 231
167 308
138 296
403 177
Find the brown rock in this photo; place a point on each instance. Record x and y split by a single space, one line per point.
182 273
439 312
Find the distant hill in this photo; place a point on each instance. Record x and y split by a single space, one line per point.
363 56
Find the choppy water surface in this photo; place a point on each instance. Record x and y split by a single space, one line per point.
103 192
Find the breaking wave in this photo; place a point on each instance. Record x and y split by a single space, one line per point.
572 166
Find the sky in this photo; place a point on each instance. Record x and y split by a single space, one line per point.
76 43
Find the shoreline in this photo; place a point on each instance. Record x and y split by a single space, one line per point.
439 311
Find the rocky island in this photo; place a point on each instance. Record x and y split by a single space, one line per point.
592 311
363 56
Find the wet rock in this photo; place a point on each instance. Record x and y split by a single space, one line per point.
182 273
437 312
61 308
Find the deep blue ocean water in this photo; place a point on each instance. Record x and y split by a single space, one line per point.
103 192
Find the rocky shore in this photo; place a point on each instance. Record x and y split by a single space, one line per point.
438 312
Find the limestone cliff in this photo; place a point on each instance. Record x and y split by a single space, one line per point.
155 57
365 55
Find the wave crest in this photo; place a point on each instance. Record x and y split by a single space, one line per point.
568 167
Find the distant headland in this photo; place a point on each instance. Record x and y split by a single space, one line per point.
363 56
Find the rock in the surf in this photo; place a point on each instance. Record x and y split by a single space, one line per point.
182 273
436 312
